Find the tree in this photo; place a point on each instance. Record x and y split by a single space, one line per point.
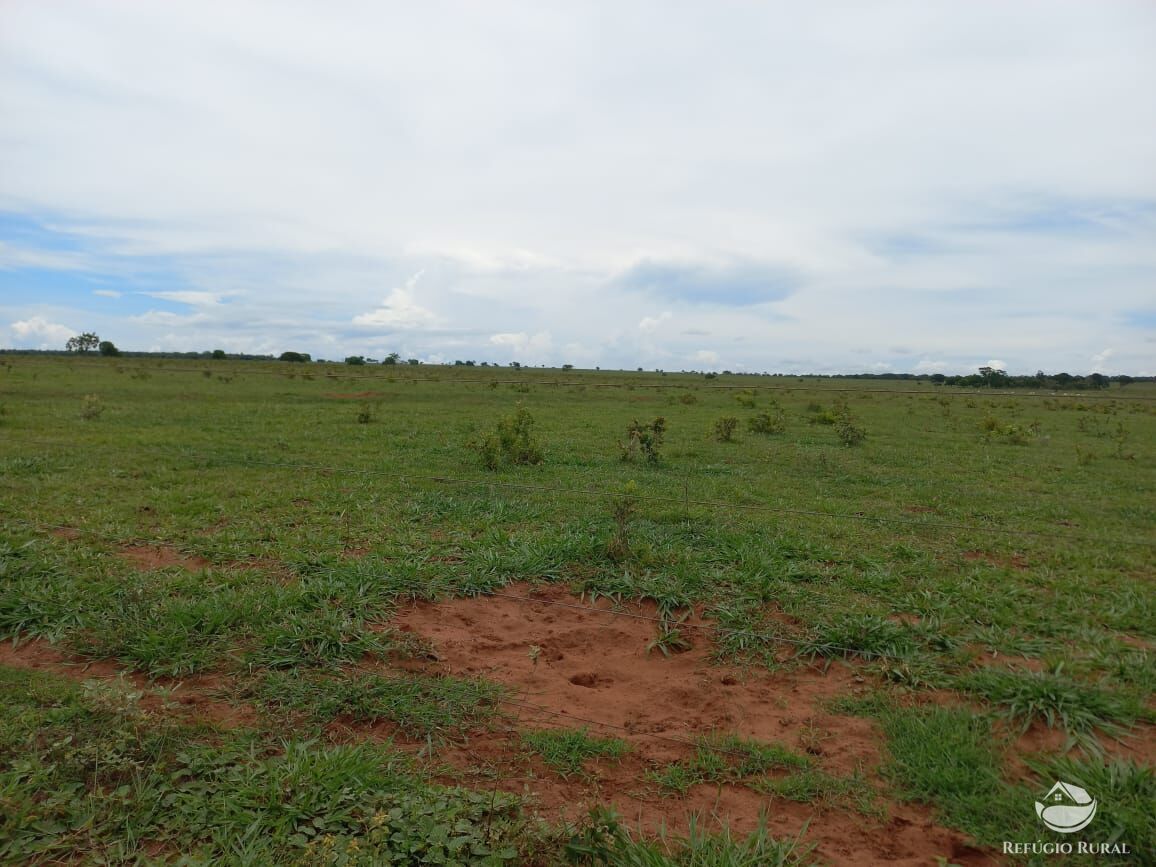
355 359
107 347
82 342
294 356
218 353
391 358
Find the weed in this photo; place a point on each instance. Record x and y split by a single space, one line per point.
847 427
512 441
670 638
724 429
365 414
765 423
644 439
745 398
567 750
91 407
622 510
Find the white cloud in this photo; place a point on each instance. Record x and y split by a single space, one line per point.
299 162
37 332
399 310
107 293
167 319
706 356
927 366
995 364
528 347
192 298
651 323
1100 359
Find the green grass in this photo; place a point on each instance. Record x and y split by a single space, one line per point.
568 750
1057 701
421 707
606 841
315 526
823 790
720 758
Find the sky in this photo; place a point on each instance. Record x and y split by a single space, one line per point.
779 186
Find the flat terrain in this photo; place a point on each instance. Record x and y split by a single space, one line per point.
284 613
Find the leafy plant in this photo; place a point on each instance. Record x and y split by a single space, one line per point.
622 510
512 441
765 423
724 428
670 638
91 407
644 439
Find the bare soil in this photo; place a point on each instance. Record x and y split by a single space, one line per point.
593 669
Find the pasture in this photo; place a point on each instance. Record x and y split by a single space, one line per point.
284 613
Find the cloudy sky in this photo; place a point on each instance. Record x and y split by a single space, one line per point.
908 186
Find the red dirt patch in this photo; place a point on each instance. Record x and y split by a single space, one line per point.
190 696
593 669
69 533
149 557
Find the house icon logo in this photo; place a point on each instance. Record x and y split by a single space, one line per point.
1066 808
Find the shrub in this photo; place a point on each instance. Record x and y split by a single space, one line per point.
512 441
745 398
91 407
765 423
645 439
724 428
365 414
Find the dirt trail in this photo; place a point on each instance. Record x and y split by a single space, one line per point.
594 668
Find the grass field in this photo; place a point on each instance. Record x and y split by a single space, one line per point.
236 546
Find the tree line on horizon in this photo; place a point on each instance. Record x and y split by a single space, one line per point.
985 377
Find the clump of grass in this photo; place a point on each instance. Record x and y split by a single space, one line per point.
947 757
720 758
867 635
1057 701
644 439
567 750
1124 789
670 638
512 442
823 790
420 706
604 840
365 414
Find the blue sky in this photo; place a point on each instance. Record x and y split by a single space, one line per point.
904 186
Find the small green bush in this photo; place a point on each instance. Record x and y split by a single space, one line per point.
644 439
512 441
91 407
765 423
724 429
